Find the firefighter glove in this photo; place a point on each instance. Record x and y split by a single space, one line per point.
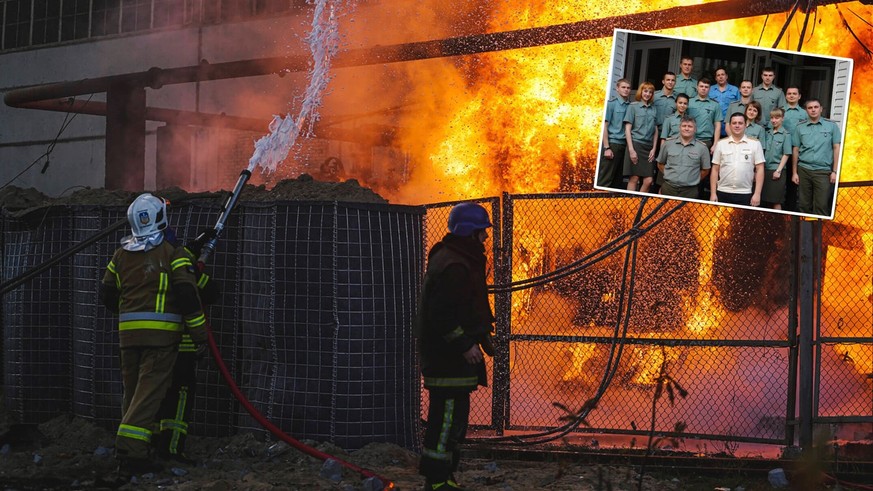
487 344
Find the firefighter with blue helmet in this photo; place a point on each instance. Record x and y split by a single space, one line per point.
454 326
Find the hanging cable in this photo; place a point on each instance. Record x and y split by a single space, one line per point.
616 350
593 257
763 28
68 119
787 23
803 29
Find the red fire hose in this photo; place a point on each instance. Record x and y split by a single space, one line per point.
275 430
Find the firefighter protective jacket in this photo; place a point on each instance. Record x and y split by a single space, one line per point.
455 314
156 296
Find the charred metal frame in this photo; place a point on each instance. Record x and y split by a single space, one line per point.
126 110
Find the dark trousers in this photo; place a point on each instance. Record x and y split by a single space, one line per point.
447 419
145 374
610 172
734 198
176 406
814 191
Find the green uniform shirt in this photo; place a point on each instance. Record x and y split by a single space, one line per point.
736 107
757 132
778 144
665 105
687 86
706 112
793 116
642 120
615 109
671 126
815 143
682 163
768 98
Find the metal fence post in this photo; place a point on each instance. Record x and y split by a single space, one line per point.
503 313
806 325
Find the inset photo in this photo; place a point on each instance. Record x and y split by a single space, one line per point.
725 124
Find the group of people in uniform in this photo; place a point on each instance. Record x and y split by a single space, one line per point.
715 141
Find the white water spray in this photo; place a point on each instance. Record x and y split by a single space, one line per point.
323 40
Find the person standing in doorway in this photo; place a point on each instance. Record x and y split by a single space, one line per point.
739 105
723 93
453 326
768 95
685 83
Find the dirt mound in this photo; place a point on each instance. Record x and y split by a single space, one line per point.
18 201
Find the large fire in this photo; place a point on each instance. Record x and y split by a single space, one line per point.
529 121
520 120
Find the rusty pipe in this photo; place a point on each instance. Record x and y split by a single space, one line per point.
156 78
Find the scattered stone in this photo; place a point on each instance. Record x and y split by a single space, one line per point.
372 484
777 478
332 470
178 471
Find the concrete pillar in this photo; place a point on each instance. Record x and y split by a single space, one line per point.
125 137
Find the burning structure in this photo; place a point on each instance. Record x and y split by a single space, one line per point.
510 100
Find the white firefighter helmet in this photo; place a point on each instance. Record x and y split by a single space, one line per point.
147 215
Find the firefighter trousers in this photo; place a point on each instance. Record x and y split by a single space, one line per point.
146 374
176 406
447 418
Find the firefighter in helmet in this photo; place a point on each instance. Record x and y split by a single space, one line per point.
454 326
152 285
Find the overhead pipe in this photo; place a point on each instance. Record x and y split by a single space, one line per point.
155 78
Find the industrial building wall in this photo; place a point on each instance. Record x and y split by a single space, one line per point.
77 141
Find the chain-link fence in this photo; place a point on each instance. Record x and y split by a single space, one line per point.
844 326
619 300
763 322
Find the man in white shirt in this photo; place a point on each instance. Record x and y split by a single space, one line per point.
737 167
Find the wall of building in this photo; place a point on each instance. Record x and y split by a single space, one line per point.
78 152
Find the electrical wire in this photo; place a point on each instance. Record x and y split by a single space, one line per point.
68 119
763 28
787 23
593 257
803 29
616 350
